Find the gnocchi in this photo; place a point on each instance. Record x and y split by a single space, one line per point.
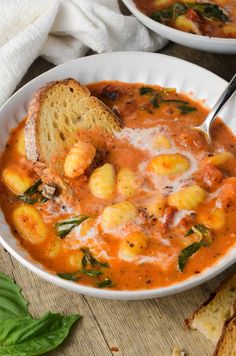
155 206
127 182
16 180
118 214
188 198
29 224
75 260
102 181
132 245
214 219
79 158
168 164
220 158
185 24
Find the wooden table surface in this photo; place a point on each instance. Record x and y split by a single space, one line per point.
151 327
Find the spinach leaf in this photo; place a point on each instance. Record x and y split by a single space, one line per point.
105 283
201 230
29 337
64 227
211 11
145 90
12 303
187 252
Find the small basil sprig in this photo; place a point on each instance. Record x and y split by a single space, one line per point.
202 231
105 283
208 10
187 252
20 334
33 195
90 259
64 227
211 11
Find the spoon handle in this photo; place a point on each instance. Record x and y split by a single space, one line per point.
225 96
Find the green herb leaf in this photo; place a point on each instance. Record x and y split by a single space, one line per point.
145 90
69 276
32 195
28 337
169 14
155 102
12 303
64 227
184 109
90 259
34 188
211 11
91 272
187 252
105 283
202 231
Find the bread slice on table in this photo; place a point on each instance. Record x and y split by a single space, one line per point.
56 113
210 318
226 345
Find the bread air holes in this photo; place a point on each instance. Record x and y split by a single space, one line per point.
54 123
49 136
76 119
62 136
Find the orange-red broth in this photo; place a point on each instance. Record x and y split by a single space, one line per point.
165 238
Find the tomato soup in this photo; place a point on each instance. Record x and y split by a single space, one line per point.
216 18
152 205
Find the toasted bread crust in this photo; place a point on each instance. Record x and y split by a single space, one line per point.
226 291
56 113
31 144
226 345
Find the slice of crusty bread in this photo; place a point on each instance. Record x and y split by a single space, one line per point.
209 319
56 113
226 345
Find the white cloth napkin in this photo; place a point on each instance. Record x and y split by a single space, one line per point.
61 30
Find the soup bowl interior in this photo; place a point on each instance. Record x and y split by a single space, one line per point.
131 67
205 43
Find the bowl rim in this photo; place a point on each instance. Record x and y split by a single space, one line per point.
175 288
174 31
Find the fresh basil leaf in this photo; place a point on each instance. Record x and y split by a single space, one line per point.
169 14
201 230
90 259
12 303
64 227
155 102
187 252
105 283
211 11
34 188
29 337
184 109
145 90
91 272
69 276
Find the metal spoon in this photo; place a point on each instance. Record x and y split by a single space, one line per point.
205 127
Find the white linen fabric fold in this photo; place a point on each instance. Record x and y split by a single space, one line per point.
61 30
